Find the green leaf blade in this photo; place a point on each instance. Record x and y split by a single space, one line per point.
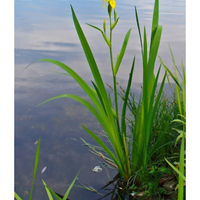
35 168
154 50
47 190
86 104
138 26
17 196
121 54
154 21
94 70
70 187
123 123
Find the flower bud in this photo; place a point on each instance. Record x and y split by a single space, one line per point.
109 10
115 14
104 26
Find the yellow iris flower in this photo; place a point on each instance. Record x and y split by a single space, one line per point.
111 2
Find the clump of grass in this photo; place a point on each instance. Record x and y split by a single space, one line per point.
163 138
138 155
180 96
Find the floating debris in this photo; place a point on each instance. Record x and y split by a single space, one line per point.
43 170
36 142
73 139
97 169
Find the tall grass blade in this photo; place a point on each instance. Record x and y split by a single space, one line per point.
138 26
181 101
137 138
145 79
99 95
83 102
97 77
121 54
70 187
35 168
51 192
176 170
184 89
123 122
154 50
113 133
149 113
154 108
102 144
47 190
154 21
90 57
17 196
173 60
171 74
84 86
181 180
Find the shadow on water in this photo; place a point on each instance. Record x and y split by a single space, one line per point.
40 33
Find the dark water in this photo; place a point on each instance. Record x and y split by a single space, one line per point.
44 29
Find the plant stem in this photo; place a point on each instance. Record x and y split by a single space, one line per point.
114 77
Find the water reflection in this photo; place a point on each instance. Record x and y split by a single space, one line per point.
44 29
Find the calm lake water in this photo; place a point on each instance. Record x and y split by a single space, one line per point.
44 29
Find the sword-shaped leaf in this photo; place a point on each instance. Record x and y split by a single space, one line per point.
121 54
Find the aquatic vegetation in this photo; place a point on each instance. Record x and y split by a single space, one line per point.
134 154
51 193
48 190
180 95
34 174
102 109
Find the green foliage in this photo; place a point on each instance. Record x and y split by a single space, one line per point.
102 106
34 174
181 101
50 192
152 134
17 196
103 111
142 149
155 174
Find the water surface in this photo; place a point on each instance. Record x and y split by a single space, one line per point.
44 29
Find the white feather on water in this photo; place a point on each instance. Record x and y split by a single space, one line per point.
43 170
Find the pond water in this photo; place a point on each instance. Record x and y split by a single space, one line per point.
44 29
